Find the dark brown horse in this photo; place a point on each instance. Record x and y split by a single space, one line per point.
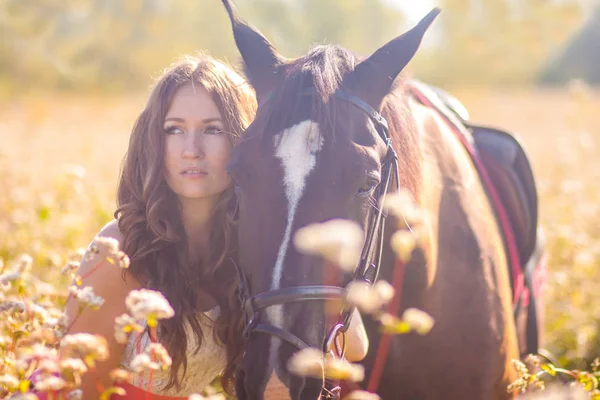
317 151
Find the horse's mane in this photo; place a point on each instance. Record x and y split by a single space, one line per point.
321 72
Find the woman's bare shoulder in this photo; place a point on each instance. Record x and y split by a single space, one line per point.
98 271
112 230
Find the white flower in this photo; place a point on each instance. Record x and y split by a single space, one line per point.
24 264
85 346
73 365
367 298
38 312
361 395
50 383
48 365
338 241
154 358
9 381
124 325
419 320
120 375
87 297
38 352
307 362
142 362
8 277
108 248
15 306
403 243
312 363
339 369
24 396
74 172
160 355
402 206
149 305
71 267
216 396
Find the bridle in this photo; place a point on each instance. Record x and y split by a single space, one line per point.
366 271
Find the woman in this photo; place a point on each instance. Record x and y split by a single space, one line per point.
175 222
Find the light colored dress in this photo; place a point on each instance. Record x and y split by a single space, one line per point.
202 367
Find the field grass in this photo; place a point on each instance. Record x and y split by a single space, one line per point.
60 157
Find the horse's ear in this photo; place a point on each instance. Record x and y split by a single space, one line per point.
262 62
373 77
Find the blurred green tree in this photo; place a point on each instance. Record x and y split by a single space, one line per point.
115 44
497 41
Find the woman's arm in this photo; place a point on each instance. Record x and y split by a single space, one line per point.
107 282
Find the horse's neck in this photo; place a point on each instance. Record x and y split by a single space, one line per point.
442 163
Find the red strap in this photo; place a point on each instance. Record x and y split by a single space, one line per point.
383 348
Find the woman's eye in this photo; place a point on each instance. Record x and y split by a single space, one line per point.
173 130
213 130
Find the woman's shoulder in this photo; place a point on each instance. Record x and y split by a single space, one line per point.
112 230
97 270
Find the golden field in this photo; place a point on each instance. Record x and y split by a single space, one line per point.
60 157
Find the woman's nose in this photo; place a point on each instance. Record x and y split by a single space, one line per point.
194 147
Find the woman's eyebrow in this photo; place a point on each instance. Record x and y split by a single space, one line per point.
206 121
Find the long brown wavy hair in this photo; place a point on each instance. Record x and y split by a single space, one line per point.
149 216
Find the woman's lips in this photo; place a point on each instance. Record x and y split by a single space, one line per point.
194 173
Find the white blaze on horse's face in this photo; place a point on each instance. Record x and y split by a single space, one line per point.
296 148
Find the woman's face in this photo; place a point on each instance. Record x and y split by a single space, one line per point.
196 146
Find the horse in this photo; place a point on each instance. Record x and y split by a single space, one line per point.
334 133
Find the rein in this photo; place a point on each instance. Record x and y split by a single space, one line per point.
366 271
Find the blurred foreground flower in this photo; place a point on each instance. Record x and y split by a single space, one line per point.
124 325
155 358
307 362
361 395
217 396
338 241
120 375
50 383
107 248
402 206
313 363
412 320
90 348
369 298
403 243
86 297
579 90
148 305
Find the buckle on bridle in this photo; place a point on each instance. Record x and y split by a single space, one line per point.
249 326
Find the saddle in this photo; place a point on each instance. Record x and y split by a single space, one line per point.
508 167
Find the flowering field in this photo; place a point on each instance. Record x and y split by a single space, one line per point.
59 162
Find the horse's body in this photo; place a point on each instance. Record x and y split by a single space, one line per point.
310 157
462 282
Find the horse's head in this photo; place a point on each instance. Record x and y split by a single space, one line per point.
314 153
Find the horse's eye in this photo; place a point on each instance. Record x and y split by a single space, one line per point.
368 187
